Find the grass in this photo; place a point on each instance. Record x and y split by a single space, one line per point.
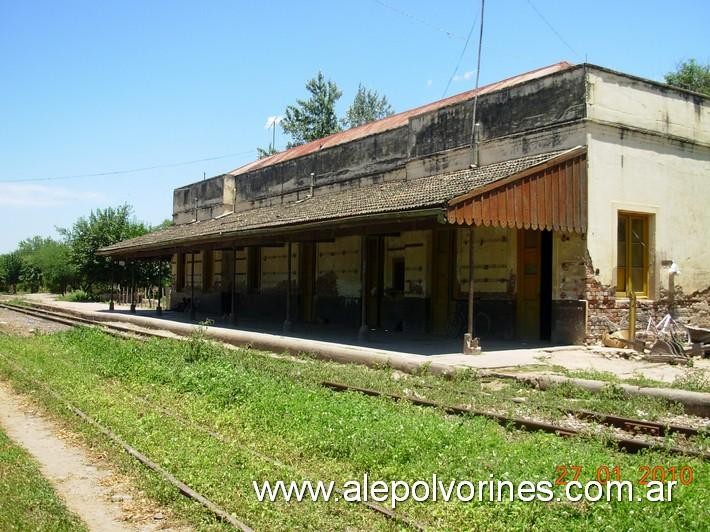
27 501
78 296
696 380
275 406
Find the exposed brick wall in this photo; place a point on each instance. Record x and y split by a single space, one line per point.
606 313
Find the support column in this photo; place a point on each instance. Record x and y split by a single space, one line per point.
287 321
362 333
193 314
133 287
471 345
111 305
234 286
159 308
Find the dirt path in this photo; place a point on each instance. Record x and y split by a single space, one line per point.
88 487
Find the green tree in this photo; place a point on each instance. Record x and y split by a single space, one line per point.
691 75
315 117
102 228
47 264
11 266
367 106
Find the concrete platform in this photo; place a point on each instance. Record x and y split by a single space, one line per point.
392 348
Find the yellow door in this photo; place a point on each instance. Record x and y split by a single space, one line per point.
529 284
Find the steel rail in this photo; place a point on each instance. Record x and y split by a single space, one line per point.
125 332
626 444
183 488
627 424
636 426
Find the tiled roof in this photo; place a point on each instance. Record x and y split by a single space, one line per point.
394 196
394 121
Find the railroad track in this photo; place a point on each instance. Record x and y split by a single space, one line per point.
633 426
127 332
631 445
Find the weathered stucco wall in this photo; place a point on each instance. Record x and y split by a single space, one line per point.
668 181
655 161
540 103
338 267
430 143
494 260
635 103
274 269
240 269
569 273
207 199
414 247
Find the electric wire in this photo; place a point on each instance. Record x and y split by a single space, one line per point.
128 171
449 34
463 52
557 33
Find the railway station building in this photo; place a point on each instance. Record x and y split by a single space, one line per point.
577 186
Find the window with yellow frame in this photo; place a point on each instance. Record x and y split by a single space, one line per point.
632 254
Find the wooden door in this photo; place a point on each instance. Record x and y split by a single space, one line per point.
529 284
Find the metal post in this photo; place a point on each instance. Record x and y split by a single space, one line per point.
111 305
287 321
632 309
470 344
193 314
159 308
362 334
234 286
133 287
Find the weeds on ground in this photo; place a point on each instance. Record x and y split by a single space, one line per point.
198 347
276 407
696 380
28 501
79 296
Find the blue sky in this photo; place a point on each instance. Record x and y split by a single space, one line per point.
89 87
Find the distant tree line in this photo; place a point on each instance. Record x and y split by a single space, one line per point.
71 263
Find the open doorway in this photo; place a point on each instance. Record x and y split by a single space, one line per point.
534 301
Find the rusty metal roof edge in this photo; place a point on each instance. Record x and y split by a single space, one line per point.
277 158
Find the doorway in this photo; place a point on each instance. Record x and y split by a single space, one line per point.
534 299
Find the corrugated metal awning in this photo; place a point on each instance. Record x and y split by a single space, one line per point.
551 195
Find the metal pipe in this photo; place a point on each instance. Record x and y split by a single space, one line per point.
474 124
